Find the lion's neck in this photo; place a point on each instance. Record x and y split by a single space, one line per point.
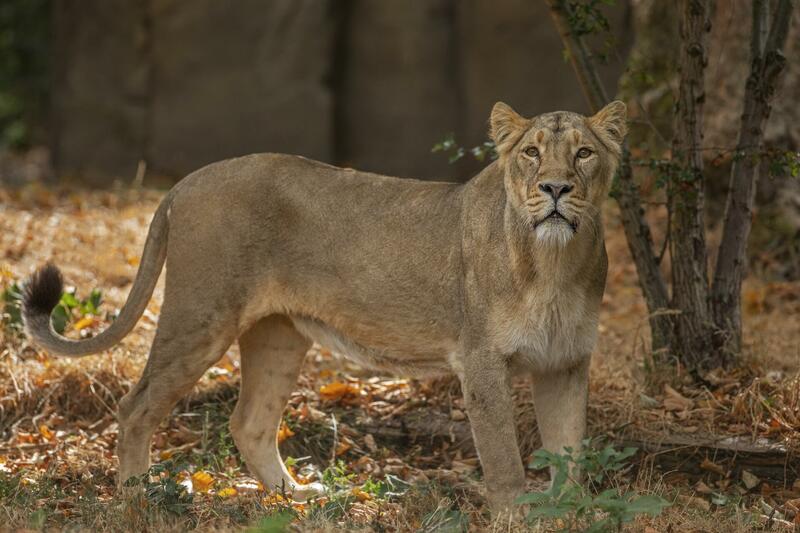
533 261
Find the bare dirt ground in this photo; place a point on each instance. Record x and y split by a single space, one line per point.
394 453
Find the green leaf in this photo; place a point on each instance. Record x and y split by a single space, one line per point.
277 523
455 156
69 301
548 511
630 451
60 317
649 504
38 519
91 305
583 504
445 144
12 311
532 497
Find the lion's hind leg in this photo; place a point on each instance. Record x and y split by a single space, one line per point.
272 353
185 346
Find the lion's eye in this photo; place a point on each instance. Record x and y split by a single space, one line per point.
583 153
532 151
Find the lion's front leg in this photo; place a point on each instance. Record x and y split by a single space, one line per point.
560 401
487 396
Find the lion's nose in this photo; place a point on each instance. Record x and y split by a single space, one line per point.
556 190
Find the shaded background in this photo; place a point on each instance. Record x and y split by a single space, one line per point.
372 84
90 89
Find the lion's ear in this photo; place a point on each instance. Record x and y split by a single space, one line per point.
610 123
506 127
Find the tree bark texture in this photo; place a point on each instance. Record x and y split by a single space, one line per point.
767 63
690 288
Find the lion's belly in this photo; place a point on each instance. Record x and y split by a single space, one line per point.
411 363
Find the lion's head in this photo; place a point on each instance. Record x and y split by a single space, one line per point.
558 166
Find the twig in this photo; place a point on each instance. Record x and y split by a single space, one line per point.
660 256
335 428
645 113
92 383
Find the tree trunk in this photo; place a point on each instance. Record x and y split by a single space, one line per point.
690 288
767 63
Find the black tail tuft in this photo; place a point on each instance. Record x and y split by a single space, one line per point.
43 291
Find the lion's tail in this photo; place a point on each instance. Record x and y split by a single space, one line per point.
43 291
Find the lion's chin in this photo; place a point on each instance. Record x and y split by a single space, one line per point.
554 232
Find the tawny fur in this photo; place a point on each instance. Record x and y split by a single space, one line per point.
415 277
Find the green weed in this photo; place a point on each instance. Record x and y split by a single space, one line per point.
589 506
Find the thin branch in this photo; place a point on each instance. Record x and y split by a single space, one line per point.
780 27
758 37
647 119
662 253
579 56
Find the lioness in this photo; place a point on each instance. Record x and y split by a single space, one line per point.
501 275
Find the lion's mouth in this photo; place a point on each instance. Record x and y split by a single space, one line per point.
556 216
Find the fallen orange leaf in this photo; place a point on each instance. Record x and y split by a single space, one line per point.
45 432
342 448
273 498
227 492
84 322
226 363
284 432
337 390
292 472
360 494
202 481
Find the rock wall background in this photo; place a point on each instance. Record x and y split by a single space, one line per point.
372 84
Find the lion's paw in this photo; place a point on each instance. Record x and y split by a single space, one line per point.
303 493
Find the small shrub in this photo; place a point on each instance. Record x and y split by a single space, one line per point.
449 146
11 317
68 311
166 490
70 308
588 507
